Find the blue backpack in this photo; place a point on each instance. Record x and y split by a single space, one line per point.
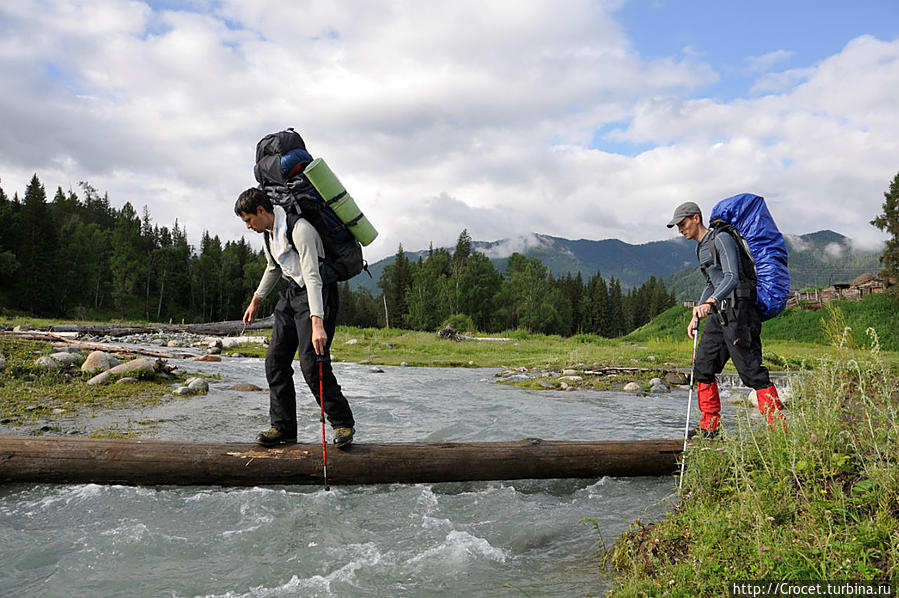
764 251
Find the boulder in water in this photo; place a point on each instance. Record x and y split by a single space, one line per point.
244 388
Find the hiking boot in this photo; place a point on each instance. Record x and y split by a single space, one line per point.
273 437
343 436
703 434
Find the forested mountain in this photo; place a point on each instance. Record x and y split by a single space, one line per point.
632 265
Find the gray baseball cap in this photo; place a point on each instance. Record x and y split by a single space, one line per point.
685 210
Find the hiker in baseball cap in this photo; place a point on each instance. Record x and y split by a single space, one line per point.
685 210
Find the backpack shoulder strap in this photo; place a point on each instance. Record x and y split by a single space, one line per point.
292 216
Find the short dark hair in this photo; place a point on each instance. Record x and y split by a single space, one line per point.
249 200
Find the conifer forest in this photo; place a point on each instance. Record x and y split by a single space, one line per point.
76 256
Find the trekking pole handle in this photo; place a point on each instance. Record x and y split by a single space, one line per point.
722 317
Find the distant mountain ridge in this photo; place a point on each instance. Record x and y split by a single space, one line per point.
816 259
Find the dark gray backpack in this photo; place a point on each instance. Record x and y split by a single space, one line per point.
279 164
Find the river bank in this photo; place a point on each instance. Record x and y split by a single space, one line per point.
815 499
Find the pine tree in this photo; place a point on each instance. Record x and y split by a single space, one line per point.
395 282
36 250
9 217
888 222
126 262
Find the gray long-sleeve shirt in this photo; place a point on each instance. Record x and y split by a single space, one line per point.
300 265
724 277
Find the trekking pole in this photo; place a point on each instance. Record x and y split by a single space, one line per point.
321 401
680 482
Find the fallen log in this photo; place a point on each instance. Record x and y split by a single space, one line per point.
55 338
154 462
226 328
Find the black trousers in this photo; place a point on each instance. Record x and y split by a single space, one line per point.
292 330
739 339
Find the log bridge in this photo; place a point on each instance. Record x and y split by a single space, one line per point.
156 462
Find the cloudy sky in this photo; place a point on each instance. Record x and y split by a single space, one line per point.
574 118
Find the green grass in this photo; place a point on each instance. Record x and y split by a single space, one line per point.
820 502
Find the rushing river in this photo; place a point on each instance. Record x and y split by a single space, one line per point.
504 538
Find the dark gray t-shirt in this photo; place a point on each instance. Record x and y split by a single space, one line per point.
723 277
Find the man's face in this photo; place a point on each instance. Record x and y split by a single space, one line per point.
689 227
256 221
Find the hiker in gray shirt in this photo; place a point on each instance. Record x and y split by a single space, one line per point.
733 331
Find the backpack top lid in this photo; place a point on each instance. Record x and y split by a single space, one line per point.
269 151
749 215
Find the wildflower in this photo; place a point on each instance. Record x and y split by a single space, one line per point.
814 437
823 490
776 557
763 548
769 518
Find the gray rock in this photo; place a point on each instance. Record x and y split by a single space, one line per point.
402 365
127 380
213 350
47 362
23 328
375 370
545 384
632 387
658 386
569 372
564 385
182 391
352 341
517 377
571 378
244 388
135 366
64 358
198 385
678 378
58 411
96 361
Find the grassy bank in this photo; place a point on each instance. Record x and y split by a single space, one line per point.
820 502
31 393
